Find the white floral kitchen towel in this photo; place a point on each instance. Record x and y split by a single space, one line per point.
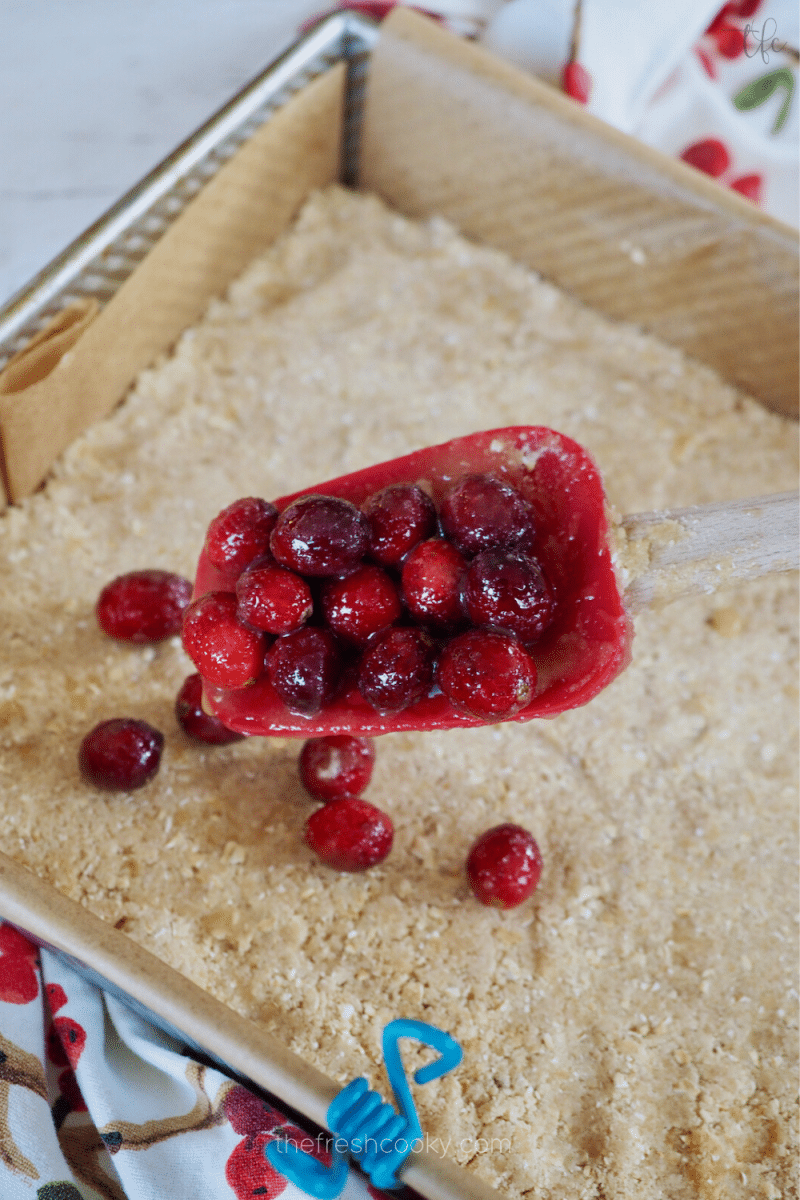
97 1103
714 85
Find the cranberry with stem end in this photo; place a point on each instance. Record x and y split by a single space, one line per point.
431 583
400 516
361 604
121 755
504 866
143 606
320 535
396 670
349 834
272 598
224 650
487 675
240 533
195 721
304 669
507 591
336 766
482 512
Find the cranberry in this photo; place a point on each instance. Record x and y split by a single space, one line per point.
337 765
486 675
431 582
224 650
304 669
272 598
507 591
399 516
504 866
397 669
121 755
143 606
361 604
240 533
349 834
709 155
195 721
320 535
482 512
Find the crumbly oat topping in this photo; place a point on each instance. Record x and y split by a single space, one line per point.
631 1030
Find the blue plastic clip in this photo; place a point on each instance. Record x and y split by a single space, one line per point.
377 1137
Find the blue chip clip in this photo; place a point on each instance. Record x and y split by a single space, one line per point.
378 1138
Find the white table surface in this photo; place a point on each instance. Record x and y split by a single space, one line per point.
95 92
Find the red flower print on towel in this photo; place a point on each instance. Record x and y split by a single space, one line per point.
19 983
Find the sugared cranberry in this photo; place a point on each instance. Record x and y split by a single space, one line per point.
320 535
482 512
337 765
486 675
193 719
709 155
121 755
349 834
431 582
143 606
240 533
361 604
304 669
504 866
400 516
273 598
507 591
397 669
225 652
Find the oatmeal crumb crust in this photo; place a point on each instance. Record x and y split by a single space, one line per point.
631 1030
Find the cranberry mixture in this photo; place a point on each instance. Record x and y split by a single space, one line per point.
465 583
364 591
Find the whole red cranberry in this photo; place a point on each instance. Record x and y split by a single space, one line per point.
336 765
399 516
486 675
507 591
361 604
121 755
273 598
320 535
349 834
482 512
397 669
504 866
143 606
305 668
225 652
431 583
195 721
240 533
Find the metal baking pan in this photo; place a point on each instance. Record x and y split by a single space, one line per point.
100 261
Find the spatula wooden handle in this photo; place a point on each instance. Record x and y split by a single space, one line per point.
689 551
